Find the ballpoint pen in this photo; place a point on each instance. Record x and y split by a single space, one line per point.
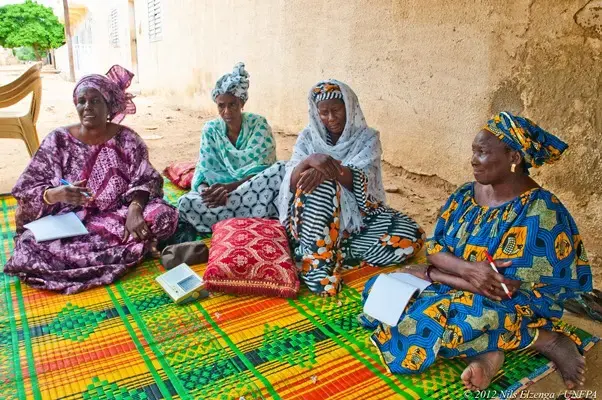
492 264
64 182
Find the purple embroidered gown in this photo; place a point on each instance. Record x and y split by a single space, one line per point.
115 170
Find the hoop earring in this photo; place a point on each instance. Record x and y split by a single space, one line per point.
513 168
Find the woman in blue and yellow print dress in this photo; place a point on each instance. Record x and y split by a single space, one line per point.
537 247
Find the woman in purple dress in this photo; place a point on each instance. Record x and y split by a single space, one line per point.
115 191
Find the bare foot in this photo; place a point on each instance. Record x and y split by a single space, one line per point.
154 253
563 352
481 370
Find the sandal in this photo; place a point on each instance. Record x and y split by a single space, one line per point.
572 306
597 295
591 312
592 302
578 307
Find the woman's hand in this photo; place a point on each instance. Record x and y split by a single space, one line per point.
326 165
487 282
202 187
310 180
215 195
135 224
498 292
230 187
418 270
70 194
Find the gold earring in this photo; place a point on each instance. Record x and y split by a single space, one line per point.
513 168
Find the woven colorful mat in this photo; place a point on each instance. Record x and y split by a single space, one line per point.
129 341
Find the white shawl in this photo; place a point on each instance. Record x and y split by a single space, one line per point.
359 146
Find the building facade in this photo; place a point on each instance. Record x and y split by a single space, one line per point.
428 73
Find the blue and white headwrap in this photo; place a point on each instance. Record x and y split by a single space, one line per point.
235 83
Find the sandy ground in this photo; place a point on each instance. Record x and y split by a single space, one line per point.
173 134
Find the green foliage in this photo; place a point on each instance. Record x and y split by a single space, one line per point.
27 54
30 25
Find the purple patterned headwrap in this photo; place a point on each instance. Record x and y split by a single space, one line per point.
112 88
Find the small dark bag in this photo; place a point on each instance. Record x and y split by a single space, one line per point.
191 253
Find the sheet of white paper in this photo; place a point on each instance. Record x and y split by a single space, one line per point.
57 227
388 299
410 279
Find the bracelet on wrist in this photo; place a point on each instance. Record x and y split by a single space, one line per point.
137 204
45 197
429 268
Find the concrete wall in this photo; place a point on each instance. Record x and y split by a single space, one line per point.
92 49
7 58
428 73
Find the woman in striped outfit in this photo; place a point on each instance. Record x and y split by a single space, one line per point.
332 199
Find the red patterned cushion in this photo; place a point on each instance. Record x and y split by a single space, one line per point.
180 173
251 256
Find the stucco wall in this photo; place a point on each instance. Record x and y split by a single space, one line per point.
91 40
428 73
7 58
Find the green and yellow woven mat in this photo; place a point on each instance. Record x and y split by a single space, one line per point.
130 341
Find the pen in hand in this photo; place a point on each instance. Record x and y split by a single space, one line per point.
64 182
492 264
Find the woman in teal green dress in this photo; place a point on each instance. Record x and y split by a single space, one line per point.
538 251
236 174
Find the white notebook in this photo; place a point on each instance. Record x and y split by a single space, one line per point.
390 295
56 227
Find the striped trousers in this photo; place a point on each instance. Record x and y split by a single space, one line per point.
388 237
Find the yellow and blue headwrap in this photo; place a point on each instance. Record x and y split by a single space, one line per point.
537 146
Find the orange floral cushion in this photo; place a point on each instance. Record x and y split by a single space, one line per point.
251 256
